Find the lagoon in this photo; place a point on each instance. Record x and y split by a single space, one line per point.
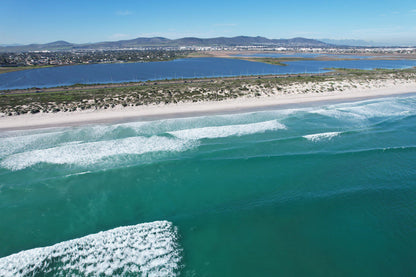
177 69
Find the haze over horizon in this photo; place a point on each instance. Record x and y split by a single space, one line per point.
382 22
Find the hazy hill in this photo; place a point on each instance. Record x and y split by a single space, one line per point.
365 43
350 42
164 42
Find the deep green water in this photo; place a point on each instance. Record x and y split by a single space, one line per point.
320 191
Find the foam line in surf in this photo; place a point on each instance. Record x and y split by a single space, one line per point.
368 109
92 152
13 144
148 249
321 136
229 130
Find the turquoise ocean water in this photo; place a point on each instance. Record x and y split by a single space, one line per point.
320 191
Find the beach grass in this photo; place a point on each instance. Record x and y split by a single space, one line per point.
84 97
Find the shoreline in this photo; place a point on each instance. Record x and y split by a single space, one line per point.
193 109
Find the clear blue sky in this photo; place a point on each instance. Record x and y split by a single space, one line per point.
40 21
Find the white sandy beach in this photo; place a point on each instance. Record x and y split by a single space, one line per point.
291 95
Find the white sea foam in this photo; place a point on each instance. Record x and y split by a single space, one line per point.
321 136
148 249
16 143
229 130
367 110
92 152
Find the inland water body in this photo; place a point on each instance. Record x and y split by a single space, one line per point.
319 191
177 69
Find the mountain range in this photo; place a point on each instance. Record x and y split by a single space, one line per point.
165 42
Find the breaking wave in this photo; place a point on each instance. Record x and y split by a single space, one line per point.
13 144
148 249
367 110
93 144
226 131
321 136
83 153
93 152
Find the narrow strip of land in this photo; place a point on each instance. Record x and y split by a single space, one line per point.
84 87
169 99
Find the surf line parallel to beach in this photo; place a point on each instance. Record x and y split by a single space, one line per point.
295 97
